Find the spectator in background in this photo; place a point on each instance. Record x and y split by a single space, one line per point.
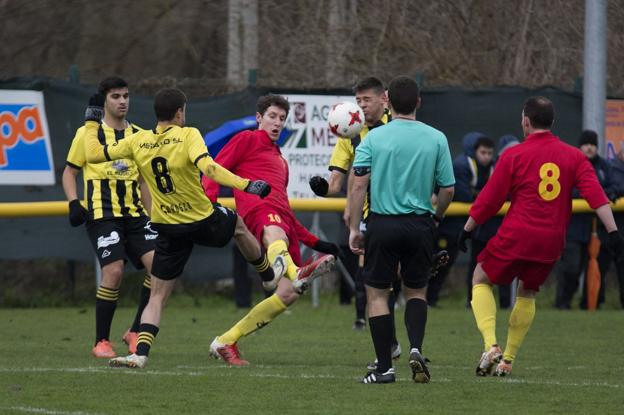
575 257
617 191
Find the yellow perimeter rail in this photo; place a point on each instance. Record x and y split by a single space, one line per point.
60 208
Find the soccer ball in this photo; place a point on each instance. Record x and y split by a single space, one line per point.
346 119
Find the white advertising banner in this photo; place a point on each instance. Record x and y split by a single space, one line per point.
309 146
25 150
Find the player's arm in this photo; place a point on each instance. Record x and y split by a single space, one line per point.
75 160
444 180
227 158
357 194
146 196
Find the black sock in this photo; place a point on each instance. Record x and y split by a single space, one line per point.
263 266
105 305
415 322
143 300
147 334
391 304
360 295
381 332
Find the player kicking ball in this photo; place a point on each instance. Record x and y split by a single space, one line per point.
538 175
256 154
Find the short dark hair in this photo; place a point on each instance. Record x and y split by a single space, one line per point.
403 93
486 142
167 102
265 101
540 111
112 82
367 83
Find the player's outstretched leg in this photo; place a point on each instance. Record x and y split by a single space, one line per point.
131 335
484 309
310 271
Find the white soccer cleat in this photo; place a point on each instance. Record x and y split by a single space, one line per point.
279 268
132 361
489 360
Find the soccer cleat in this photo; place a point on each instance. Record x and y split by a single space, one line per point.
488 360
279 267
420 373
131 338
396 353
103 349
132 361
228 352
440 259
503 368
308 273
375 377
359 324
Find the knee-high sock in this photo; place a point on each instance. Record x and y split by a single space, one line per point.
258 317
280 247
415 322
484 310
147 334
143 300
105 305
381 332
519 322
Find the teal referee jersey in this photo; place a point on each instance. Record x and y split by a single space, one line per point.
407 160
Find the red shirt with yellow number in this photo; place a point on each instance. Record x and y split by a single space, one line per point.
538 175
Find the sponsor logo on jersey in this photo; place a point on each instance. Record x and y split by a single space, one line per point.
25 150
104 241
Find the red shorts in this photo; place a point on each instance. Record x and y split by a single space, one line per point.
265 215
503 271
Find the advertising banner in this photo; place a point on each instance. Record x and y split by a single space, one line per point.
614 127
25 150
309 146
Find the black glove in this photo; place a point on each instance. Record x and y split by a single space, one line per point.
319 186
613 197
461 240
95 110
329 248
616 245
258 187
77 214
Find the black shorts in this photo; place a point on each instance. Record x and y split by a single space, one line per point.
391 240
175 242
121 238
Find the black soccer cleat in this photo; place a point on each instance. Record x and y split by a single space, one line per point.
420 373
376 377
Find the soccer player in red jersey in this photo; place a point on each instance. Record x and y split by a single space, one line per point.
538 175
272 221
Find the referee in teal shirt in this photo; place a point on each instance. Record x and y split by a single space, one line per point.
402 161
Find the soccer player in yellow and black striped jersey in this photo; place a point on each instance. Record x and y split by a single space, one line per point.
170 158
117 222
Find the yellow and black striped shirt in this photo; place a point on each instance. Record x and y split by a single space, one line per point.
344 152
111 188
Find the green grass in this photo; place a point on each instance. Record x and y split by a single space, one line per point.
307 362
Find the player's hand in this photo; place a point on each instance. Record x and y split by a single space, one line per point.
440 259
327 247
461 240
77 213
258 187
319 186
616 245
356 242
95 110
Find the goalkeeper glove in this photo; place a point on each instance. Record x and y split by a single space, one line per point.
328 248
95 110
258 187
461 240
77 213
319 186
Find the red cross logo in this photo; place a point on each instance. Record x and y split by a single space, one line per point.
355 117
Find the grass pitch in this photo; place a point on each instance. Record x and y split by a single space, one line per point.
307 361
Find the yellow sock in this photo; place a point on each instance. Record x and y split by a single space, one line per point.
259 316
484 310
519 322
279 247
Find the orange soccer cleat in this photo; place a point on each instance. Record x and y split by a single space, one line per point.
103 349
228 352
309 272
131 338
